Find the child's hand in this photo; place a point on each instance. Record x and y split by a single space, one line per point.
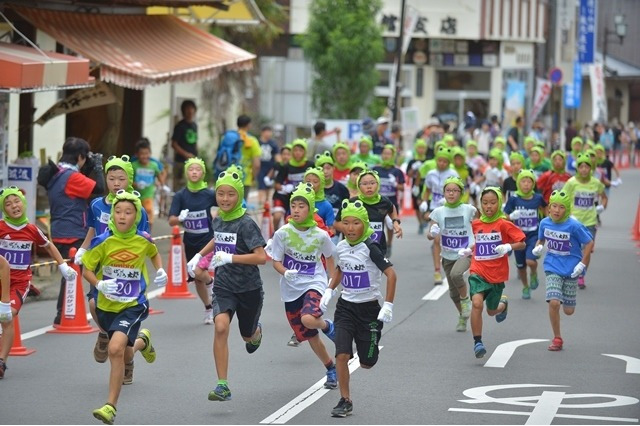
268 181
183 215
221 258
108 286
599 208
291 275
424 206
67 272
288 188
77 259
5 312
434 230
465 252
161 278
326 298
537 250
515 215
578 270
502 249
386 312
166 189
269 248
191 265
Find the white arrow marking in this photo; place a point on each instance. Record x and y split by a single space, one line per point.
633 364
504 352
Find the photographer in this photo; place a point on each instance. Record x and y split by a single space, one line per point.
69 190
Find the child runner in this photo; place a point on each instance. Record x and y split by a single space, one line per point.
478 164
500 144
537 161
606 167
357 167
342 157
564 261
576 148
453 222
585 191
239 249
525 209
495 174
315 176
191 207
119 174
391 181
509 186
365 155
279 198
334 191
147 171
120 256
358 317
434 191
555 178
413 167
494 238
17 237
288 177
465 173
297 251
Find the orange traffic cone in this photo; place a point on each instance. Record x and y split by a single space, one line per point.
17 349
177 270
635 230
407 201
267 224
74 315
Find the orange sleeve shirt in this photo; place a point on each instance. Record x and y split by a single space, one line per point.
492 267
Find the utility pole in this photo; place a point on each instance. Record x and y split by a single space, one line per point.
395 108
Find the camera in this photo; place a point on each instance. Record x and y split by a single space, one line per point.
93 162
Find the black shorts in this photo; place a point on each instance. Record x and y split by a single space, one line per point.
358 322
247 305
127 321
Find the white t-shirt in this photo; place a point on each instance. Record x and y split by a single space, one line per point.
302 250
435 182
455 228
362 266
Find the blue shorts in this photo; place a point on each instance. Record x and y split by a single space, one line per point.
127 321
521 256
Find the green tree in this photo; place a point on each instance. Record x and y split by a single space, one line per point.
343 43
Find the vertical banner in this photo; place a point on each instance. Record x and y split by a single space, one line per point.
543 91
598 94
573 90
586 31
514 102
411 15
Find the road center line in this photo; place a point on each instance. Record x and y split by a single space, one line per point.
437 291
306 398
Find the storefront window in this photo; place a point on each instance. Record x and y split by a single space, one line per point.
464 80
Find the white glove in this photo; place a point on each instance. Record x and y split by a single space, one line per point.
515 215
267 181
288 188
416 165
269 247
474 188
291 275
191 265
5 312
465 252
108 286
183 215
599 208
424 206
386 312
503 249
166 189
616 182
326 298
573 164
537 250
141 185
221 258
78 257
388 222
434 230
67 272
415 191
161 278
578 270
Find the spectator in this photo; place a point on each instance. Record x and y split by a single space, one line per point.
317 145
495 127
184 142
484 138
251 152
396 136
516 135
270 154
379 137
570 133
69 191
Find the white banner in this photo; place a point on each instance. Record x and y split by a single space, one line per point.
598 93
82 99
543 91
411 15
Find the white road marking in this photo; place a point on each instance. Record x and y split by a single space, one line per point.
437 291
306 398
503 353
633 364
564 416
546 409
40 331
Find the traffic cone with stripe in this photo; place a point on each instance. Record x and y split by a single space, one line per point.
177 286
16 348
74 313
407 201
266 227
635 230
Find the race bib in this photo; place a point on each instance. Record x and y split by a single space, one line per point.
377 231
388 187
584 200
17 253
104 218
486 244
295 178
196 222
355 281
454 239
304 267
528 220
436 200
129 283
557 242
225 241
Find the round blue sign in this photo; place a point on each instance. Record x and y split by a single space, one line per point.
555 75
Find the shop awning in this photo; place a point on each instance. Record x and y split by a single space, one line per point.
25 69
136 51
242 12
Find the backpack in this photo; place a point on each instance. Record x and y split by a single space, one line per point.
229 151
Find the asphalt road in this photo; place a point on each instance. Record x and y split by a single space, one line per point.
427 372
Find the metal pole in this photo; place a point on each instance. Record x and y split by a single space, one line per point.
398 83
604 51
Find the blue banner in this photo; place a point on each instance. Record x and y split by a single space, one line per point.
586 31
573 91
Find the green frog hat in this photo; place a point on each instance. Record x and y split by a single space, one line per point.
132 197
123 163
525 173
317 171
304 191
14 190
561 197
357 209
201 184
232 177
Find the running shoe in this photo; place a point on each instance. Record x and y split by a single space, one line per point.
437 278
465 307
33 291
293 342
3 368
479 350
526 293
503 315
208 316
106 414
128 373
581 284
332 379
556 344
253 346
533 282
462 324
343 409
330 332
149 353
100 352
220 393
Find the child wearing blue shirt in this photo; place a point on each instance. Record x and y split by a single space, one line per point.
565 259
315 177
525 208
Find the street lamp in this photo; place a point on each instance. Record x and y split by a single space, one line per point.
620 31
